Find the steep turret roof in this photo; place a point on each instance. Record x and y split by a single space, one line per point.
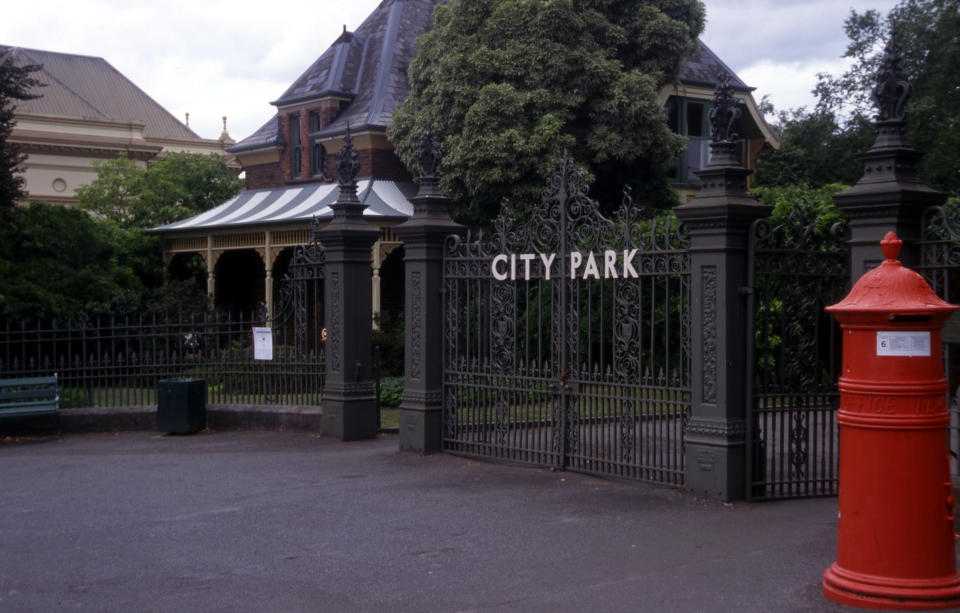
367 67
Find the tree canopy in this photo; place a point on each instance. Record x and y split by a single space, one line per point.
928 32
94 257
60 261
816 149
173 187
16 84
508 84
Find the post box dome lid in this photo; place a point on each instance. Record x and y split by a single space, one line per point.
892 287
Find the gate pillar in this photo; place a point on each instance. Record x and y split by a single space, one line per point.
718 222
423 236
349 404
890 195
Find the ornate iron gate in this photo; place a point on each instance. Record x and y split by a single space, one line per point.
796 268
940 265
298 320
567 338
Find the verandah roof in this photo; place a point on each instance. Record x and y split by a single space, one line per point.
386 200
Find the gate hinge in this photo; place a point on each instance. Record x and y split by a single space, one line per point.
745 290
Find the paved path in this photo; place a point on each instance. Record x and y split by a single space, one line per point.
277 522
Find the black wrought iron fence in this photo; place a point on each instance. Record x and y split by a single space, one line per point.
113 362
940 265
795 270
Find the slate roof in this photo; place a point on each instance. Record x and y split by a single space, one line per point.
703 67
369 66
385 200
87 87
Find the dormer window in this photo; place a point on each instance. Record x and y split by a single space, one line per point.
295 147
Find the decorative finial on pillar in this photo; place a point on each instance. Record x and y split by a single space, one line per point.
724 112
892 90
428 154
348 162
429 157
348 165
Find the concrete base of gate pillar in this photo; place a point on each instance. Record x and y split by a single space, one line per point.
420 430
350 418
715 459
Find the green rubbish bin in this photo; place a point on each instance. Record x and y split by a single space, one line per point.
181 405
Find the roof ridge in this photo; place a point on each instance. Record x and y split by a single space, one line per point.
387 52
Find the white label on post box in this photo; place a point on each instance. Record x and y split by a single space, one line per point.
910 344
262 344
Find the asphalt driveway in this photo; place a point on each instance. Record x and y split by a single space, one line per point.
266 521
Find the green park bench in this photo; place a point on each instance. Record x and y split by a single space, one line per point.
29 396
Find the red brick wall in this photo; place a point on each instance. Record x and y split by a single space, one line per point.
264 175
377 163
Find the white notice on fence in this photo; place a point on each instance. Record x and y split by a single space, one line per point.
903 343
262 344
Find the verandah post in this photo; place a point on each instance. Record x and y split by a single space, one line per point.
423 236
718 221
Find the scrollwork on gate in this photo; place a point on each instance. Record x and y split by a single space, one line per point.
592 340
799 264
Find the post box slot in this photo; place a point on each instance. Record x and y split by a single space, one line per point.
911 318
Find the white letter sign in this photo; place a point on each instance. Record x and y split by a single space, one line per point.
907 344
262 344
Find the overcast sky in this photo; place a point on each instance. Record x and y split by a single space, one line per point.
216 57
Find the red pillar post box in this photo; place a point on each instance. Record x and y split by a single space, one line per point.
895 538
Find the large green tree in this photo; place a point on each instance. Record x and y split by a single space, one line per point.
57 261
173 187
508 84
816 149
929 35
16 85
134 198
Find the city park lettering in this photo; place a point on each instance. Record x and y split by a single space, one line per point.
513 266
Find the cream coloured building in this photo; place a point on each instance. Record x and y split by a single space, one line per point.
88 111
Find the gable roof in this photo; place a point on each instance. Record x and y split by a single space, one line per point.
87 87
368 67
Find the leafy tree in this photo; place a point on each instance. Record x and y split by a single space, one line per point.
784 200
133 198
508 84
929 35
60 261
176 186
16 84
815 150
